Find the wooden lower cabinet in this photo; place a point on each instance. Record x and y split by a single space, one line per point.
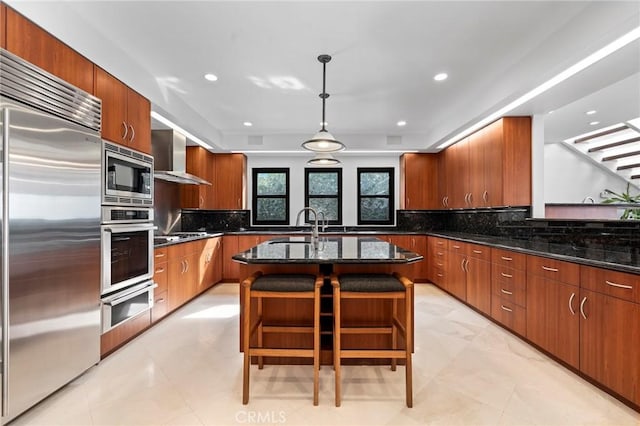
161 278
507 313
210 264
478 272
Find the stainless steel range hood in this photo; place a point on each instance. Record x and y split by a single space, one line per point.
170 158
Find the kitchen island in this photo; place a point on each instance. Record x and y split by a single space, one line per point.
330 254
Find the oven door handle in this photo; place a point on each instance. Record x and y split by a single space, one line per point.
131 228
133 292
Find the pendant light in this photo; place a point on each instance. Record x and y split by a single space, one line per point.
323 141
323 159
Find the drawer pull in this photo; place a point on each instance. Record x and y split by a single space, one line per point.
546 268
161 300
440 243
456 247
504 308
571 304
439 264
628 287
506 291
477 251
439 253
440 275
160 255
159 270
506 275
508 259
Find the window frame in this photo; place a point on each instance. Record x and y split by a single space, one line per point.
391 196
255 197
337 170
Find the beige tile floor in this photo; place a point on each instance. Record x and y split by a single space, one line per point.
467 371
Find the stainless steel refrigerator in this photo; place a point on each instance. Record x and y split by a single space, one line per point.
50 197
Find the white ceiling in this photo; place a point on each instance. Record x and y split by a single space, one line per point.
385 54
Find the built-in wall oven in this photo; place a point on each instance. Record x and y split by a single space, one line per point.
127 262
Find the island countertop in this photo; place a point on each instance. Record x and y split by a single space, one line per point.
331 250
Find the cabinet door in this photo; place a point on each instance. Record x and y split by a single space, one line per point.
419 245
195 196
139 121
114 106
3 26
230 269
419 182
229 181
476 168
552 317
516 161
492 141
179 286
457 169
33 44
209 264
479 284
457 276
610 343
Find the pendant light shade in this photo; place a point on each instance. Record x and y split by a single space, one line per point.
323 141
323 159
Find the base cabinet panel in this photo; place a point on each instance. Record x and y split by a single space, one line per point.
509 314
610 343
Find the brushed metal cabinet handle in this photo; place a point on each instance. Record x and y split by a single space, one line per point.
508 259
485 196
133 133
612 284
584 300
504 308
506 275
506 292
546 268
160 255
159 270
477 251
573 295
126 130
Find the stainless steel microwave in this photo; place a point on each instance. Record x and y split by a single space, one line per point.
127 176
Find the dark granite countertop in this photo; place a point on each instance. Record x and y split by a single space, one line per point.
179 238
331 250
625 259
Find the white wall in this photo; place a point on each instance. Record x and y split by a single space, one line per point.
350 163
569 178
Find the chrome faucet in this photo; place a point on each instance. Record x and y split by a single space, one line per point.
324 222
314 228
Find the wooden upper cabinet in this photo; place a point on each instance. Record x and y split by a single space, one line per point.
3 26
201 163
126 116
419 182
229 182
490 168
35 45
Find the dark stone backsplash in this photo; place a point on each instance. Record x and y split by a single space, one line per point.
215 220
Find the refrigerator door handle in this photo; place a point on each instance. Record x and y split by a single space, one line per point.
4 233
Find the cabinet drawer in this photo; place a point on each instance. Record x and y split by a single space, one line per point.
509 314
558 270
437 242
479 252
617 284
512 289
509 259
161 276
457 246
160 305
160 254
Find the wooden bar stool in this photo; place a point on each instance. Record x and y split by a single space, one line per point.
279 286
374 286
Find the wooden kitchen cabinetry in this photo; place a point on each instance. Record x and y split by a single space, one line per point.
126 331
35 45
183 272
3 25
229 182
210 267
478 274
490 168
553 321
610 330
201 163
161 278
418 271
508 289
456 274
126 115
419 181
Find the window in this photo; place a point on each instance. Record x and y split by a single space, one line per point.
375 196
323 193
270 196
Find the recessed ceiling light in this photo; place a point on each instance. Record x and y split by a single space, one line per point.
593 123
441 76
401 123
247 124
551 112
211 77
593 111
